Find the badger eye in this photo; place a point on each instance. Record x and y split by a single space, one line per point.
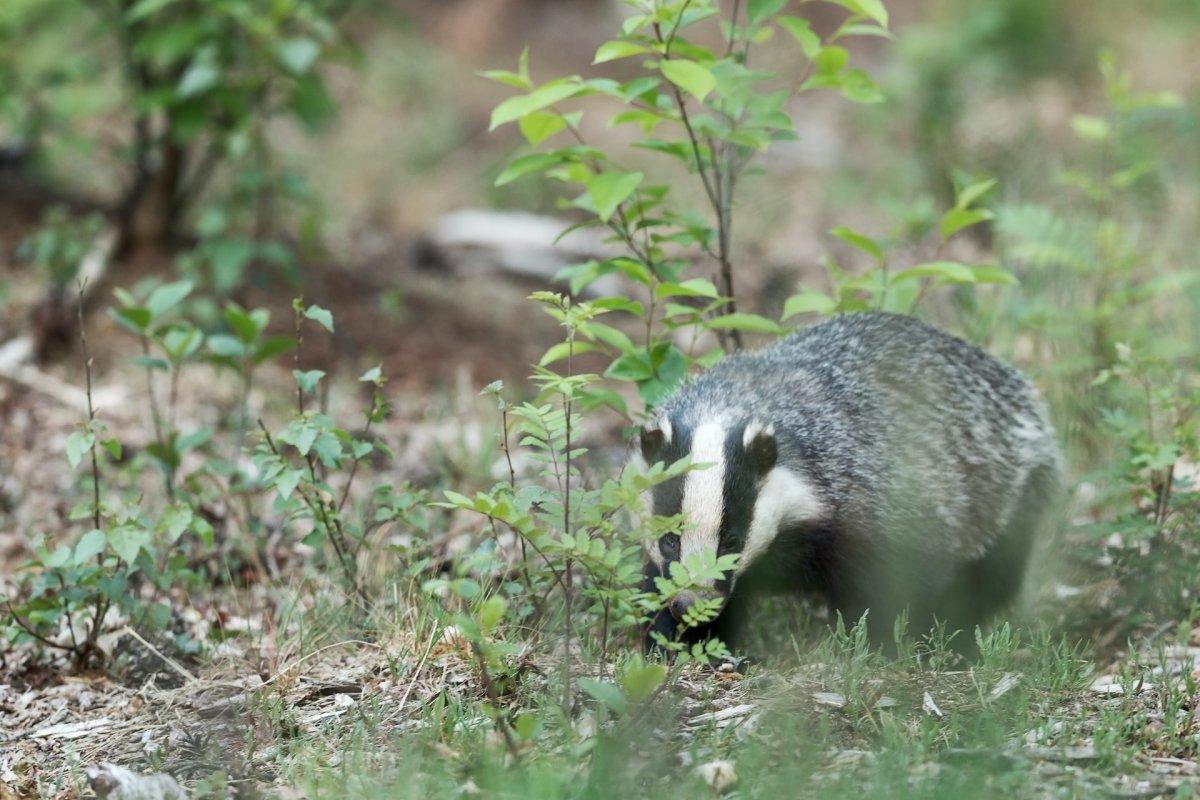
668 545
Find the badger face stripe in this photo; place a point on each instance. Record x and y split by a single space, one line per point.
704 491
664 425
654 554
755 429
783 497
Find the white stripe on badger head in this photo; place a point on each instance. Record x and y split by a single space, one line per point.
664 425
783 497
704 491
753 430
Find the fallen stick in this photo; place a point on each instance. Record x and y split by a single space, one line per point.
16 353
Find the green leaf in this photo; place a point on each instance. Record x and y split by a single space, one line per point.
874 9
91 545
113 447
175 520
801 30
519 79
273 346
831 60
1092 129
538 126
943 271
246 325
311 102
321 316
620 48
287 481
860 241
561 350
79 444
695 287
608 694
758 10
544 96
693 78
181 342
491 612
632 367
199 78
956 219
167 296
616 339
969 194
151 363
298 55
60 556
373 375
508 78
640 680
859 87
127 541
145 8
304 439
609 189
525 165
808 302
994 273
135 318
226 346
742 321
308 380
329 449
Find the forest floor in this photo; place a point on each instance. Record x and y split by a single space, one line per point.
263 687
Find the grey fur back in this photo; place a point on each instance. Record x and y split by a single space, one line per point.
920 442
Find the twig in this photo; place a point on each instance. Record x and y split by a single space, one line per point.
25 626
100 610
91 409
189 677
567 584
314 653
416 672
490 689
320 514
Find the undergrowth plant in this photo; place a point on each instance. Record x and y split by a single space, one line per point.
573 578
139 545
1096 260
702 114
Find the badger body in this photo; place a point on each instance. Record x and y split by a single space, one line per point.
871 460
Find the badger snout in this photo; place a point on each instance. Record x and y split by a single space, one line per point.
684 601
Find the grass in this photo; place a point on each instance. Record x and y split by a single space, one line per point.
829 719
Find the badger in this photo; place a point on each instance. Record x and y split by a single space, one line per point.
871 462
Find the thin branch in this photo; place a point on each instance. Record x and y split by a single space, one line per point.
91 408
23 625
494 699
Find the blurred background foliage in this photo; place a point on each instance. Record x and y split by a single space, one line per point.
217 158
259 149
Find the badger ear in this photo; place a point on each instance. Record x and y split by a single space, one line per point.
652 439
758 441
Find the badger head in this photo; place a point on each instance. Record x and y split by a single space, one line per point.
736 504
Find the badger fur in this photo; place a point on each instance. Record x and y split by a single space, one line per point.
871 461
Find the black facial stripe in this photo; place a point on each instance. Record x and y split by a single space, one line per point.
741 493
668 497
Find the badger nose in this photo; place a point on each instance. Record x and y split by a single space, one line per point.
680 605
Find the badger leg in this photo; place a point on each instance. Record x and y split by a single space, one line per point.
986 586
730 624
